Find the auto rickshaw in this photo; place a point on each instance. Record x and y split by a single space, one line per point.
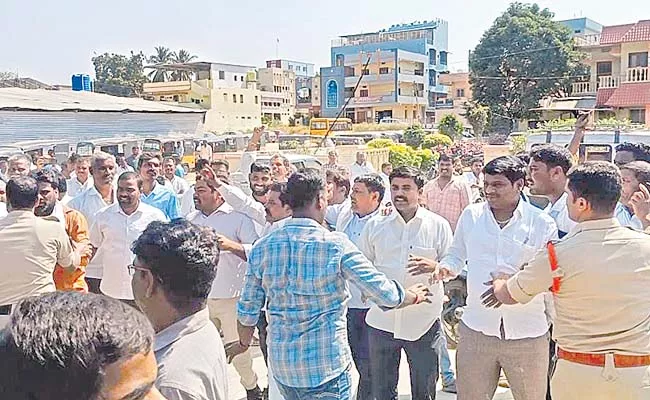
152 146
188 158
85 149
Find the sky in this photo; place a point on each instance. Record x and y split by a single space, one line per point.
51 40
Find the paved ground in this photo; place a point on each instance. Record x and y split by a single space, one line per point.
237 391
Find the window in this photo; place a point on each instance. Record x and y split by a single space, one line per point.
241 98
443 58
225 97
637 116
604 68
234 98
432 57
256 100
383 71
638 60
235 76
222 75
365 72
460 92
290 67
363 93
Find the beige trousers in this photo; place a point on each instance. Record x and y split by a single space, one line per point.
480 358
576 381
223 313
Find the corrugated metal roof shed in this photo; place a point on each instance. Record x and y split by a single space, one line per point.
67 100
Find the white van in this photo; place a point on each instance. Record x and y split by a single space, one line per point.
596 145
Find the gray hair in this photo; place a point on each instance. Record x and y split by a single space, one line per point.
100 157
19 157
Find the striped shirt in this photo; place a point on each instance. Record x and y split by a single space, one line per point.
301 269
450 201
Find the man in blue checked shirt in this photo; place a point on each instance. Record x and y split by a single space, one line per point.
300 272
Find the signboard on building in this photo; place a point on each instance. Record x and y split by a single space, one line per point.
303 90
332 93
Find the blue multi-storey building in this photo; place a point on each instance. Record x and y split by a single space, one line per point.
399 69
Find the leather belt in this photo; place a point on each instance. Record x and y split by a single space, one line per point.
598 360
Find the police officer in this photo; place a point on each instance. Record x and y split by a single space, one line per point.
600 277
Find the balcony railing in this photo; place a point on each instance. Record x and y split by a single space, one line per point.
608 82
632 75
583 87
639 74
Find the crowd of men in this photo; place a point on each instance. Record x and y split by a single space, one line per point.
335 269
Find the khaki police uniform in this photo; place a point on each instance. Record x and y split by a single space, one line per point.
602 326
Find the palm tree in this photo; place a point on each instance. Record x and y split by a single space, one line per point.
183 56
163 56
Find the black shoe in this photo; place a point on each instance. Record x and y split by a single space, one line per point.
254 394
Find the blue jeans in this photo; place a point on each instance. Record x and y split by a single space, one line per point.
445 363
338 388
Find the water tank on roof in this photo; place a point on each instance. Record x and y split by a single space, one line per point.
82 82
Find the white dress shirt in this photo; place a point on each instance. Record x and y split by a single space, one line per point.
358 170
113 233
352 225
231 270
187 202
89 203
332 213
177 185
387 195
75 187
388 242
560 214
486 248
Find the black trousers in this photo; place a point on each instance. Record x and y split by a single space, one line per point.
359 344
93 285
422 356
262 326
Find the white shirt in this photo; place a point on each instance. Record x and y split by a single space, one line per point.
113 233
352 225
3 210
387 195
119 170
187 202
472 179
388 242
332 213
185 370
358 170
486 248
177 185
75 187
560 214
89 203
231 270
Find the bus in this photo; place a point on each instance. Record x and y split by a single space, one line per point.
320 126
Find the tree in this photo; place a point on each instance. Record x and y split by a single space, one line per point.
181 57
413 136
524 57
451 126
478 116
163 56
119 75
436 139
